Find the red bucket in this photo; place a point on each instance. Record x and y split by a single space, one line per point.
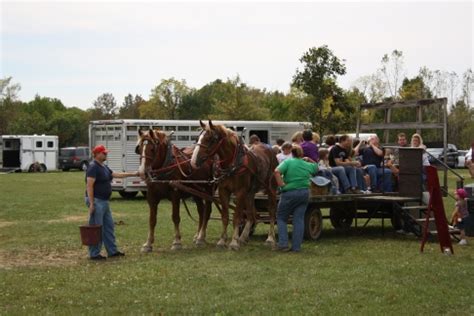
90 234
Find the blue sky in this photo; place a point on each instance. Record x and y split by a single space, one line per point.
76 51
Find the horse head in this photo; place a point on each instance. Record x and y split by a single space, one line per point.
210 143
151 147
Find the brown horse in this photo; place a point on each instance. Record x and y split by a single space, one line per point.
243 172
160 160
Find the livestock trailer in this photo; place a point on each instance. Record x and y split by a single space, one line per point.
29 152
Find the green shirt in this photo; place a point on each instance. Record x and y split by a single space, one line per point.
296 173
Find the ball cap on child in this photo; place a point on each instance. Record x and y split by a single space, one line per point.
100 149
461 193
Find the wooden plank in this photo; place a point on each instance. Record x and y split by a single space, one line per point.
402 104
409 125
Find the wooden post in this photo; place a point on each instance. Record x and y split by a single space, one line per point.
445 141
419 118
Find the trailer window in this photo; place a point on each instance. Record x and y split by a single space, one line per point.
183 128
131 128
50 144
173 137
131 137
160 127
8 144
39 144
170 128
196 128
194 138
183 137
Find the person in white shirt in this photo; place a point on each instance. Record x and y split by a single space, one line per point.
285 152
468 162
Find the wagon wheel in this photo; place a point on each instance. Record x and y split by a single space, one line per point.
313 223
128 195
342 216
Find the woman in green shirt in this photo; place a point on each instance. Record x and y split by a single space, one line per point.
293 177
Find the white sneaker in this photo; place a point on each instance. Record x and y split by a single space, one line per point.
400 231
463 242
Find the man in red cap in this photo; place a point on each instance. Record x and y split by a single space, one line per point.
98 191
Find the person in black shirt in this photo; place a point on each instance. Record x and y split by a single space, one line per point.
342 166
98 192
372 161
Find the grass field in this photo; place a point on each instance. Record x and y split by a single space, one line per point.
44 269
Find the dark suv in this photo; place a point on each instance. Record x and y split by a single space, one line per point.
74 158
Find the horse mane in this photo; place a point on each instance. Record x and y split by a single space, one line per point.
160 135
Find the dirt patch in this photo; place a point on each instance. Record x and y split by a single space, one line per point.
40 258
71 218
5 223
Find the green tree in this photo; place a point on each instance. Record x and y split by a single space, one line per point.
168 96
234 100
105 107
392 70
10 106
71 126
130 107
461 125
318 79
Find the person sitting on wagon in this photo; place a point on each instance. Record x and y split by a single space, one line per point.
285 152
343 167
372 161
310 149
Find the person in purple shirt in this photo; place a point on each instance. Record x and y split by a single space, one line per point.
310 149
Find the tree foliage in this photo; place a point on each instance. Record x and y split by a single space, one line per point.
318 79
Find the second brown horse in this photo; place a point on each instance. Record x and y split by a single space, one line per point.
243 173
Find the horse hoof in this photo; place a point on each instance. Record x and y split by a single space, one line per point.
270 242
176 247
221 244
200 243
147 249
234 245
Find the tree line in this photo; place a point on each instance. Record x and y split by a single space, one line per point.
314 96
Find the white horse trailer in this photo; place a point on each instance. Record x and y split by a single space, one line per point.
120 137
29 152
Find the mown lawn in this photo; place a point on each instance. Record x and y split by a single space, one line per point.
44 269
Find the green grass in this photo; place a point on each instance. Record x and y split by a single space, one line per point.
44 269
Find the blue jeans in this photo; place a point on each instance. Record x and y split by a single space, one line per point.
360 179
102 216
380 178
292 202
347 177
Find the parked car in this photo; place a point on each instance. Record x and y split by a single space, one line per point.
452 156
462 158
74 158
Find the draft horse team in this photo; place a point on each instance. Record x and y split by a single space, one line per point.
220 161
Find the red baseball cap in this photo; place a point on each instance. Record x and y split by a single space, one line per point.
100 149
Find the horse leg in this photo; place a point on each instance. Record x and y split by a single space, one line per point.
148 245
200 239
176 219
272 210
224 197
235 243
250 217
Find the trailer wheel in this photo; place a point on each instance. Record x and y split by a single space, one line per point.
84 166
42 168
128 195
313 223
341 217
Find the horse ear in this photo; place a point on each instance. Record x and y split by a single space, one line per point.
171 133
210 124
202 124
140 132
152 133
